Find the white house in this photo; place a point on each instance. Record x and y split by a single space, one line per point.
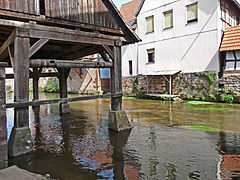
179 36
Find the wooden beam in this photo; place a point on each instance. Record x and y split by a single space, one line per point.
4 64
68 64
105 57
61 100
109 51
7 42
40 43
53 74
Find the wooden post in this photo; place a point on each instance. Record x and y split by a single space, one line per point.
35 84
117 119
3 121
64 107
21 141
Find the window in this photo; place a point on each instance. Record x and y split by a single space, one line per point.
150 24
151 55
232 62
130 67
81 71
192 12
168 19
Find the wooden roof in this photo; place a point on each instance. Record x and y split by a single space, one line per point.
231 39
86 15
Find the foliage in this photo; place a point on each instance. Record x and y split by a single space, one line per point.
227 98
30 85
52 85
128 98
180 89
189 96
199 103
201 128
211 77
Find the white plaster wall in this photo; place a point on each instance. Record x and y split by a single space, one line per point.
189 47
129 53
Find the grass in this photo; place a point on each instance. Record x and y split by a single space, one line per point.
200 128
130 98
211 109
199 103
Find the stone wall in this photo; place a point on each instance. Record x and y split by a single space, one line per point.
3 122
127 83
231 82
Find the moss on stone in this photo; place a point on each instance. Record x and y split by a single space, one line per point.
199 103
211 109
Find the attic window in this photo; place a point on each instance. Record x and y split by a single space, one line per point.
42 7
192 13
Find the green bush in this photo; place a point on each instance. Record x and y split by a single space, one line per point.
52 85
227 98
211 77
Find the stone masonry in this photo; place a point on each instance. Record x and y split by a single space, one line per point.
231 82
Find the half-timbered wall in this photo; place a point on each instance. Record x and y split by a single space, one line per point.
92 12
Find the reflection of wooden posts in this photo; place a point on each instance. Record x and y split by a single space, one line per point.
20 140
3 121
64 107
117 119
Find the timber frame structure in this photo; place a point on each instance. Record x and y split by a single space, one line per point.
36 34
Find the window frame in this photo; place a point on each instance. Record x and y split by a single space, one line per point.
192 20
152 56
235 60
164 25
152 30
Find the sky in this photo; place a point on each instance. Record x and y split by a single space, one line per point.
120 2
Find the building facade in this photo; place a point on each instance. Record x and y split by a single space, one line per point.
181 37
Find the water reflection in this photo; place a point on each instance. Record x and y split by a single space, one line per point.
80 146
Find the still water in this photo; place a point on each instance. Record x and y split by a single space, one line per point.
80 146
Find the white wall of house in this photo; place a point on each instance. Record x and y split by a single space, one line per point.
189 47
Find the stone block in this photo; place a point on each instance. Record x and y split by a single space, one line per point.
20 142
64 108
118 121
3 154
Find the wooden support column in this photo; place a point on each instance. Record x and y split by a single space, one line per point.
35 84
3 121
20 141
117 119
64 107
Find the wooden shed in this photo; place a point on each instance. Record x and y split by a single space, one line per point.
36 34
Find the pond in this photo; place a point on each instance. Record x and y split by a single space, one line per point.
169 141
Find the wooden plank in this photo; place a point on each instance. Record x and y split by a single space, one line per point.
4 64
40 43
7 42
80 11
21 80
31 6
37 63
105 57
62 100
96 12
85 12
11 76
47 8
25 6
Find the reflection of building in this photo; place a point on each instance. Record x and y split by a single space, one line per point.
229 163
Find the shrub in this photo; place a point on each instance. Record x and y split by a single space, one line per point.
52 85
211 77
227 98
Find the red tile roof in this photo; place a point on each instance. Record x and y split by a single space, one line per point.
231 39
129 9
